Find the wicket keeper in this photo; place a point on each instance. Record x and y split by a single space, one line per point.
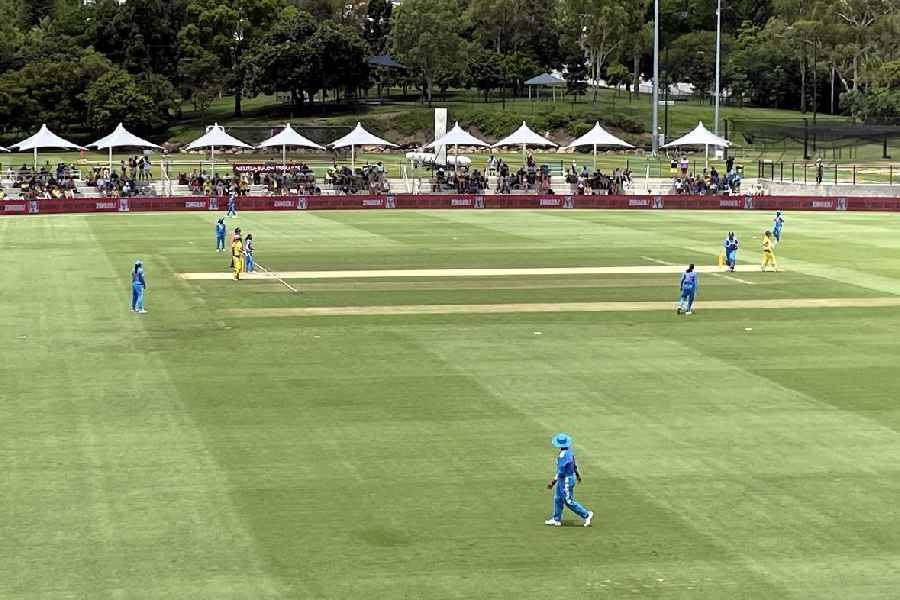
564 481
768 247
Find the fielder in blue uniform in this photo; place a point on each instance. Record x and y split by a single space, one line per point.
731 245
220 235
232 206
777 225
138 285
688 290
564 482
248 254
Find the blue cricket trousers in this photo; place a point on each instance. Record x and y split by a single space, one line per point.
220 242
687 300
563 495
248 263
137 296
731 258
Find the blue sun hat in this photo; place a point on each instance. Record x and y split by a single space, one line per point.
561 440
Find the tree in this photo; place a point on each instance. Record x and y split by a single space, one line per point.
484 70
196 84
141 35
343 55
603 27
116 97
285 60
50 91
576 73
226 31
377 25
692 59
426 37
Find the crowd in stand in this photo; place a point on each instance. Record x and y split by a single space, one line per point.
598 182
710 181
45 183
368 178
201 183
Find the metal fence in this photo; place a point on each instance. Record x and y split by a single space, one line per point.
828 172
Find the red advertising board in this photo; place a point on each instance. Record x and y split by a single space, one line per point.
449 201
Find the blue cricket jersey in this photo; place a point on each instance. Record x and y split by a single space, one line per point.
779 221
220 230
137 278
688 281
565 464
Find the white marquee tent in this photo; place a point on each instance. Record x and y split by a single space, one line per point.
457 137
44 138
120 138
598 137
288 137
216 137
700 136
359 137
524 136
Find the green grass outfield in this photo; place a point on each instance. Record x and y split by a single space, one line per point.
200 452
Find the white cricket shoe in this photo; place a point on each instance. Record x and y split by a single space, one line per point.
587 521
142 311
553 522
689 313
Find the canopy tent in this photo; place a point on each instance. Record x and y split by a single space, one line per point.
700 136
524 136
544 79
457 137
44 138
385 60
598 137
2 149
288 137
120 138
216 136
359 137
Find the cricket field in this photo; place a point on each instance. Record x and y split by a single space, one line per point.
385 431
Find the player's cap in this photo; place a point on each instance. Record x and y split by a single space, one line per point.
138 263
561 440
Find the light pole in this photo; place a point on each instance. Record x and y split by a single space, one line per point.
655 125
718 60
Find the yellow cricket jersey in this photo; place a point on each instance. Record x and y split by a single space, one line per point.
237 248
767 244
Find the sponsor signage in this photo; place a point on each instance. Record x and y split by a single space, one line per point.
551 202
109 205
823 204
195 204
638 202
460 202
283 204
731 203
257 168
15 208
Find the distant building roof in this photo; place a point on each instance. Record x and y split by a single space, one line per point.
385 60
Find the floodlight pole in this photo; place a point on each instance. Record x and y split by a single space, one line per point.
655 125
718 61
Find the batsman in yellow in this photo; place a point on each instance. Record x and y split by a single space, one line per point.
768 246
237 258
